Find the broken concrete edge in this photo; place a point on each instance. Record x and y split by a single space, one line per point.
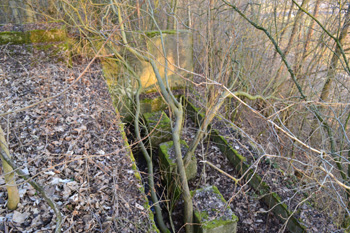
250 143
33 37
169 164
55 40
239 162
137 174
168 167
202 215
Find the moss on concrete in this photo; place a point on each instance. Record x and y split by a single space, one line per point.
151 34
159 127
31 37
152 105
271 199
14 38
217 225
168 164
44 36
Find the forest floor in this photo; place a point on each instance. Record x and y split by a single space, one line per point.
71 145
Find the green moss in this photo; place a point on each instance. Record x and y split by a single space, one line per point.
159 127
14 38
44 36
152 105
154 117
217 224
35 36
157 33
194 113
238 155
170 165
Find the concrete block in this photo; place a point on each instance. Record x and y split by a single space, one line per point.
212 213
159 127
168 160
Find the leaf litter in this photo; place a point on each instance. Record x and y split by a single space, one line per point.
71 145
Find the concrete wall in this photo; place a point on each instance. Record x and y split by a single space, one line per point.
178 49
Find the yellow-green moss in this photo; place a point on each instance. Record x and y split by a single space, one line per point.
202 216
170 164
14 38
159 127
35 36
157 33
44 36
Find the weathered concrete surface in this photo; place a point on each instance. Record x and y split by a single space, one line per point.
212 213
32 37
178 49
168 168
168 160
159 127
152 105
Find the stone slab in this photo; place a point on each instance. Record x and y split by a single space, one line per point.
211 212
168 160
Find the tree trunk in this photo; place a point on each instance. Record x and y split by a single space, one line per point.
294 33
171 21
335 59
292 37
13 195
309 34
